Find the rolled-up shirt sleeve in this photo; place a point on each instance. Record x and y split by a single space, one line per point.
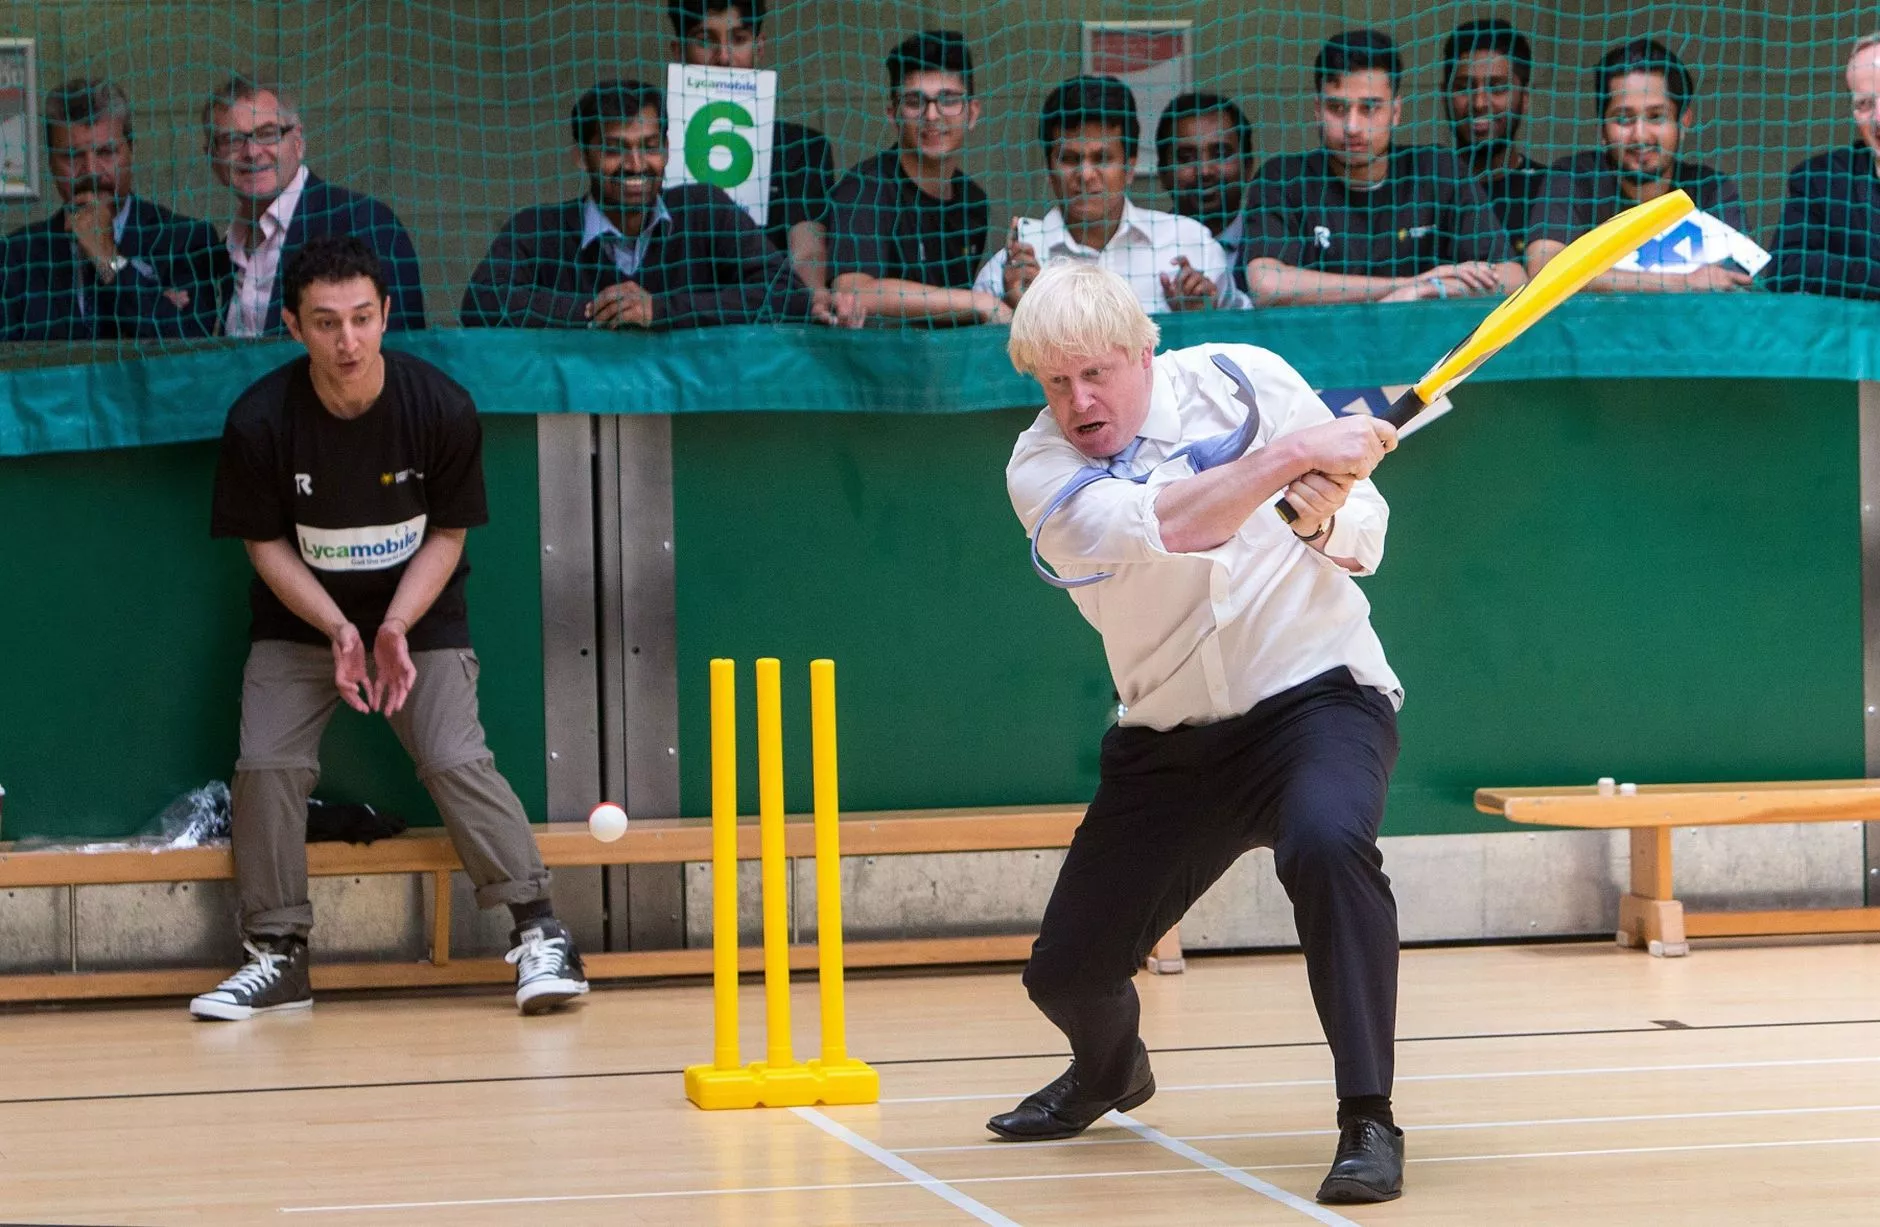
1106 523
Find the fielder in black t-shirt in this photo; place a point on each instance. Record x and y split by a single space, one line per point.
1360 220
352 476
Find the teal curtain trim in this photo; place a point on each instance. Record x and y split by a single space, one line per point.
181 397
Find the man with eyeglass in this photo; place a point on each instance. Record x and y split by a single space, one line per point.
257 148
908 227
109 264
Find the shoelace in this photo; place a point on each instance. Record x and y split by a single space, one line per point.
261 969
537 956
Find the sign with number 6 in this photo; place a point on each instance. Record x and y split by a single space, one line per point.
720 124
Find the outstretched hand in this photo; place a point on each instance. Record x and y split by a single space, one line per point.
392 658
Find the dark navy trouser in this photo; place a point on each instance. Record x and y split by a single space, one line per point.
1303 773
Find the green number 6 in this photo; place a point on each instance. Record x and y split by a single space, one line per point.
700 141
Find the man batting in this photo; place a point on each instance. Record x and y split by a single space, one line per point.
1257 706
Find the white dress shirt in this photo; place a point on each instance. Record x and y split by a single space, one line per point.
1198 637
1143 248
255 270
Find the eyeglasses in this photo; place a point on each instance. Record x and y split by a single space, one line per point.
951 104
267 136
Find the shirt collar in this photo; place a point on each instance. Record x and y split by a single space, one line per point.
1058 234
281 209
1235 230
1164 422
120 221
595 224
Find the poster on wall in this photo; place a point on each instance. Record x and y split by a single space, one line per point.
1154 58
720 128
19 119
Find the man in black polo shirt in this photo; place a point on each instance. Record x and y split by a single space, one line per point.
1830 237
730 34
352 476
631 254
1360 221
1203 159
1642 93
907 227
1486 66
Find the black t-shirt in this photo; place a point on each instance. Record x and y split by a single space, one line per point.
1425 213
801 170
1584 190
1512 193
882 224
357 496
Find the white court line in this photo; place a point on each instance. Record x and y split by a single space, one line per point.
901 1167
1506 1073
1180 1171
1272 1192
990 1145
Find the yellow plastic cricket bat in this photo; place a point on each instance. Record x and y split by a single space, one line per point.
1576 264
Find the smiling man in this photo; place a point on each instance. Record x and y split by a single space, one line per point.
1830 237
257 148
632 253
1090 132
1257 707
1642 94
1486 66
352 476
1203 159
1360 219
109 264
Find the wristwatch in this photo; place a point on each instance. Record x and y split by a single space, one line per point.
1325 530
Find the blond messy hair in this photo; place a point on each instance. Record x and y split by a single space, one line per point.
1077 310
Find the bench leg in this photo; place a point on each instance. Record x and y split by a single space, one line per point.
1166 959
440 918
1650 917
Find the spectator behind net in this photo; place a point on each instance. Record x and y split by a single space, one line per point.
907 227
257 145
1203 159
1486 67
1829 242
631 253
108 264
1642 95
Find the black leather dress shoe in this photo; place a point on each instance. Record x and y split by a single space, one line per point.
1368 1166
1064 1109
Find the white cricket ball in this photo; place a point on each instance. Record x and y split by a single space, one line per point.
607 822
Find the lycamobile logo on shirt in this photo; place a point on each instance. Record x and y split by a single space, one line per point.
360 549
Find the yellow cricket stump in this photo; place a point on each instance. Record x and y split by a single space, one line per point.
780 1080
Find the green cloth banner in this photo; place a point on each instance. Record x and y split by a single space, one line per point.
182 397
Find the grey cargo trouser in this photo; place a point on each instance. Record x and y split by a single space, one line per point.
287 698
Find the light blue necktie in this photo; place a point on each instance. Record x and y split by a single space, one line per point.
1203 454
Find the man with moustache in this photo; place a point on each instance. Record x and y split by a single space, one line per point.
1830 237
1359 220
1642 93
1089 132
109 264
257 148
1486 66
628 254
1203 159
907 226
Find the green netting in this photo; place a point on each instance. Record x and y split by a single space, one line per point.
441 133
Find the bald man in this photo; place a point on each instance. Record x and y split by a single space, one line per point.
1830 237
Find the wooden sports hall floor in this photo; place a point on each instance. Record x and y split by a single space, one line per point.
1539 1084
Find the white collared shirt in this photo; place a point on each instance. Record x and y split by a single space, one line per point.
628 254
1143 248
256 270
1199 637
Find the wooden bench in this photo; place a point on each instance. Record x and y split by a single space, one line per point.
647 841
1650 915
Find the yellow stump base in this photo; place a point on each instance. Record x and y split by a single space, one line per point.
757 1085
